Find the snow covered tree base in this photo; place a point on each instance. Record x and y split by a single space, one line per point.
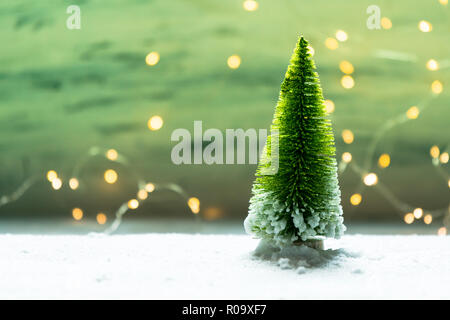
312 243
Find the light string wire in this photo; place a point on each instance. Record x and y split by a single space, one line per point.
193 203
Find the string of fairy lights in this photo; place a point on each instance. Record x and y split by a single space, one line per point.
145 189
410 213
370 179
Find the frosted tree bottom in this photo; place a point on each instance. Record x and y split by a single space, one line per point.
312 243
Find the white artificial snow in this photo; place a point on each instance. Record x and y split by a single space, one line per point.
181 266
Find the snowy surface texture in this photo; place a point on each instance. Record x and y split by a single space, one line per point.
180 266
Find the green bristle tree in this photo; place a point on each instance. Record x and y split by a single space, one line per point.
301 201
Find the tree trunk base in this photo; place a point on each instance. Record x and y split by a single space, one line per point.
312 243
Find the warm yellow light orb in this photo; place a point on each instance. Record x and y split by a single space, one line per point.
418 213
152 58
155 123
347 82
443 158
250 5
110 176
331 43
442 231
347 157
432 65
425 26
112 155
355 199
443 2
370 179
51 175
101 218
434 151
74 183
133 204
150 187
77 214
234 61
436 87
142 195
212 213
409 218
413 113
347 136
56 183
428 219
329 106
384 160
341 35
386 23
346 67
194 205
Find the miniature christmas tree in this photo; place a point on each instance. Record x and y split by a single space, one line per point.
301 201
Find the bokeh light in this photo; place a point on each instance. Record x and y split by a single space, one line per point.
331 43
428 219
413 113
434 151
347 82
152 58
212 213
384 160
432 65
409 218
341 35
250 5
52 175
110 176
346 67
347 136
436 87
442 231
329 106
150 187
77 214
101 218
386 23
133 204
56 183
234 61
443 158
74 183
155 123
311 50
142 194
112 154
425 26
370 179
347 157
418 213
194 205
355 199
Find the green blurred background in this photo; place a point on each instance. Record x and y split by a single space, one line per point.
64 91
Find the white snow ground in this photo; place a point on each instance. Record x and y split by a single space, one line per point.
182 266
